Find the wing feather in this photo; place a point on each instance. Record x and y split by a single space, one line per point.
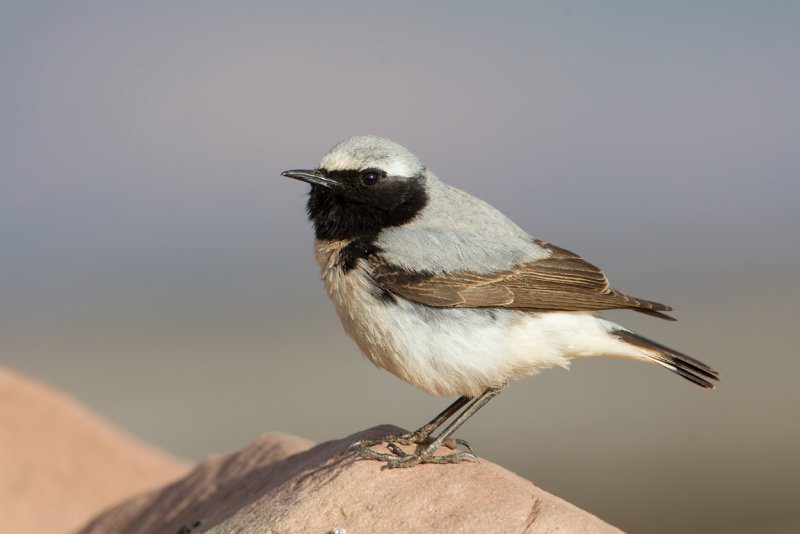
562 281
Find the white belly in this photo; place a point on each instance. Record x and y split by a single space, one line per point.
444 351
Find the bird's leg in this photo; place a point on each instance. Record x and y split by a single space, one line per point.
422 435
400 459
427 455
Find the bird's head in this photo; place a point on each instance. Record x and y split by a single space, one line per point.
364 184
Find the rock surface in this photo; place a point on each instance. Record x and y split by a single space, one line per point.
60 464
284 484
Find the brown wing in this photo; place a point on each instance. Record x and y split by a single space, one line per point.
562 281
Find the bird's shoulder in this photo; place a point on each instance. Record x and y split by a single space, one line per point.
447 250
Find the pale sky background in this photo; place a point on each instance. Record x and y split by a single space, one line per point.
155 265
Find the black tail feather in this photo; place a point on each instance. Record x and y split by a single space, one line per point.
692 370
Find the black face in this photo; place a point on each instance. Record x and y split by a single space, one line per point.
367 202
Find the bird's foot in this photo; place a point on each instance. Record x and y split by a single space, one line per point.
421 436
402 459
399 458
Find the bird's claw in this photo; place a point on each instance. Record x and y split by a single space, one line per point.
453 444
422 458
399 458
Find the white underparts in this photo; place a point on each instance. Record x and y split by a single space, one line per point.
454 351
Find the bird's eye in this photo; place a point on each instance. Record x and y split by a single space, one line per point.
370 177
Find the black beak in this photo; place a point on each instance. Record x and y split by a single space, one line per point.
314 177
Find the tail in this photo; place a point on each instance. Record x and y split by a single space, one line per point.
692 370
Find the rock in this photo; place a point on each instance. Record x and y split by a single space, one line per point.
61 464
284 484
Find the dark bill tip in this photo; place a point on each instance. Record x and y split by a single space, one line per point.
314 177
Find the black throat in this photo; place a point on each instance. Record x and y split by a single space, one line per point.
357 211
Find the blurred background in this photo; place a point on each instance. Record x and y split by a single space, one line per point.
155 265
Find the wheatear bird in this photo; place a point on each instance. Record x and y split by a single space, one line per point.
445 292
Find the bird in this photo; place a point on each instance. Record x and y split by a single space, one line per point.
448 294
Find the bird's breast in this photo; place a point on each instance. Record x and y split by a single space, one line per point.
348 283
355 296
445 351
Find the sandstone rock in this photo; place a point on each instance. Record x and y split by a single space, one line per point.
284 484
60 464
